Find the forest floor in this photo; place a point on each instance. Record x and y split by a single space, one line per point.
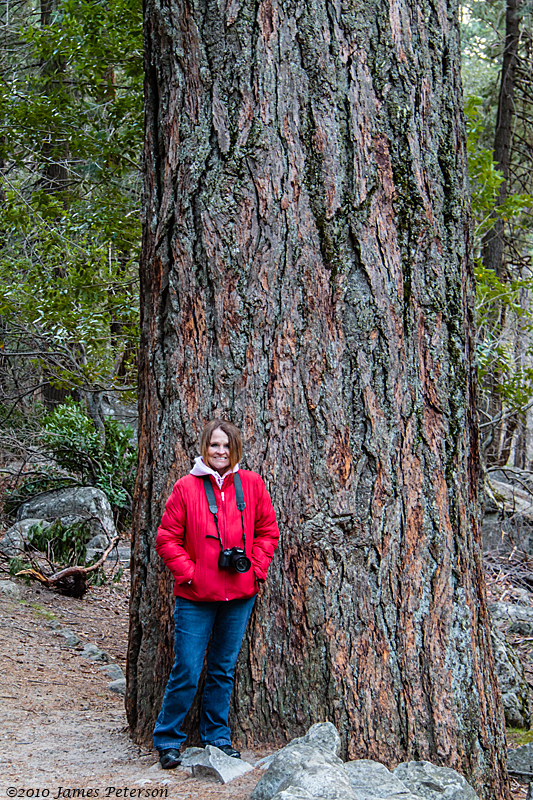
61 728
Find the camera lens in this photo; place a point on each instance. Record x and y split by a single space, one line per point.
241 564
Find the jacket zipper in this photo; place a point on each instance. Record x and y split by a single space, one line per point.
224 537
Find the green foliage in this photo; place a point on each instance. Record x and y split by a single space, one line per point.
17 565
498 300
71 108
61 544
486 179
71 439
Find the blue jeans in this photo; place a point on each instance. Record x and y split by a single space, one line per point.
194 622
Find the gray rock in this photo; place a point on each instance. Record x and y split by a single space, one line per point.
323 735
288 761
93 653
520 763
320 780
91 650
190 753
86 502
293 793
211 762
512 618
14 540
371 778
71 640
113 672
434 783
119 686
98 542
513 684
10 589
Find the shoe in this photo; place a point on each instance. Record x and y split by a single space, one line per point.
170 759
227 749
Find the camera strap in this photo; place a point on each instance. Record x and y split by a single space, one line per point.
213 508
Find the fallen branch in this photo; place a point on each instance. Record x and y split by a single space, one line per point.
71 581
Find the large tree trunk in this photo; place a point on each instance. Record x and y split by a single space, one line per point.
306 273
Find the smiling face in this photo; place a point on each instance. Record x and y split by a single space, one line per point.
218 452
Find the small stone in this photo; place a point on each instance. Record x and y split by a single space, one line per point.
10 589
90 650
71 640
119 686
213 763
112 671
190 752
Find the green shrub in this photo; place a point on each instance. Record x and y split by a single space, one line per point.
72 440
62 544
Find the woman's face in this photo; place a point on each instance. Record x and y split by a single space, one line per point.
218 455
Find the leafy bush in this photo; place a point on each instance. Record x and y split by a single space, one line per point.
71 439
62 544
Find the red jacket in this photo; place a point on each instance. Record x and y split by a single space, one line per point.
190 556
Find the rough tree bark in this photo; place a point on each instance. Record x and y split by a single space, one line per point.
494 240
306 273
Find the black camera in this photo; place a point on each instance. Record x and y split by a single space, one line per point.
234 558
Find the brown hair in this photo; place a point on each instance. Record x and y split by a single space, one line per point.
233 434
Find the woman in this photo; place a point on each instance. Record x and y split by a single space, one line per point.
217 536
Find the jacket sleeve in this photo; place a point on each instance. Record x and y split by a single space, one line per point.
266 533
171 537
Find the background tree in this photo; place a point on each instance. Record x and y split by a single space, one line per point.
306 272
497 57
71 108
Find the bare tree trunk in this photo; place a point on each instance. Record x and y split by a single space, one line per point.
494 240
306 273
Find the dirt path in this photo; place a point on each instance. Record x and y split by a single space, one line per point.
61 728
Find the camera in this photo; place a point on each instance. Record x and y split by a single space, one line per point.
234 558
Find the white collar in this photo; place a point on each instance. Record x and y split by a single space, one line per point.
200 468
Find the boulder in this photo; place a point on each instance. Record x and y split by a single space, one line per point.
13 542
98 542
520 763
512 618
328 781
323 735
287 762
433 783
211 762
10 589
86 502
513 684
371 778
508 513
293 793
